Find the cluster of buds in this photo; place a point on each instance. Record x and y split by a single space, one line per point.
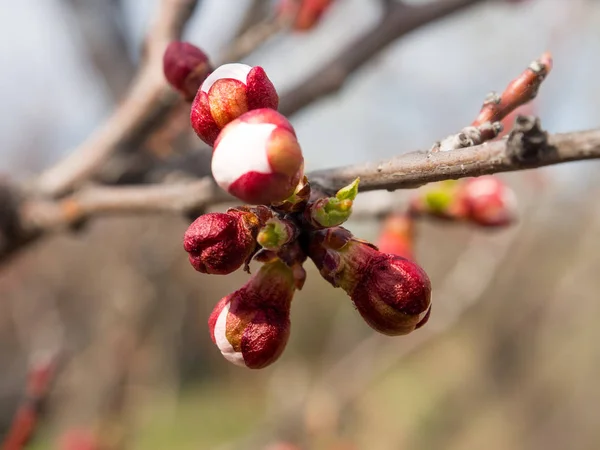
251 326
484 201
257 158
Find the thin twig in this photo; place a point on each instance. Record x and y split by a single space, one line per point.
254 37
496 107
149 100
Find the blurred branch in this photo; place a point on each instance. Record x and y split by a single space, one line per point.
254 37
527 147
95 201
254 15
105 43
398 20
25 219
147 103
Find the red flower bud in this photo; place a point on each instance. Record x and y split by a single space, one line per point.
306 13
251 326
226 94
185 67
391 293
487 201
397 236
257 158
219 243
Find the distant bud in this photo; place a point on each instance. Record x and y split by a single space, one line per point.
488 201
76 439
333 211
257 158
397 236
226 94
251 326
391 293
219 243
305 14
438 200
185 67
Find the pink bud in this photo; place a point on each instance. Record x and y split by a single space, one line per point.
185 67
257 158
226 94
306 13
76 439
219 243
251 326
488 201
397 236
391 293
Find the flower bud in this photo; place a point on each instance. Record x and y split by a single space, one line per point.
257 158
487 201
391 293
219 243
397 236
226 94
251 326
333 211
276 233
185 67
438 200
306 14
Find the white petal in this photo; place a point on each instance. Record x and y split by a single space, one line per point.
236 71
242 149
226 349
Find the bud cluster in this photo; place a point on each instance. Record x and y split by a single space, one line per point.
257 158
251 326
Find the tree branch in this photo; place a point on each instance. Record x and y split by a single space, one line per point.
148 101
399 19
526 148
95 201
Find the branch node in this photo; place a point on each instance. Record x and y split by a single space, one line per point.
493 98
528 142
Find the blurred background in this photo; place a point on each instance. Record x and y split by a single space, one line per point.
509 359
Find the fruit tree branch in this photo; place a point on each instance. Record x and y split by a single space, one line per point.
527 147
